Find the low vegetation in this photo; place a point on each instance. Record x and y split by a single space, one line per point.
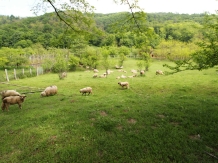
160 118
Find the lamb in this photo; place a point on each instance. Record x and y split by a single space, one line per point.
142 72
103 75
12 100
123 76
159 72
62 75
95 75
7 93
124 84
134 71
49 91
95 70
86 90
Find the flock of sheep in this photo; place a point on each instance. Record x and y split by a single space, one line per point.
11 97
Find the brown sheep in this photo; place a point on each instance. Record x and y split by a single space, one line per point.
11 100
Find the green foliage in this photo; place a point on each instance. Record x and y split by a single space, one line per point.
124 50
3 61
73 62
107 62
60 65
48 64
207 54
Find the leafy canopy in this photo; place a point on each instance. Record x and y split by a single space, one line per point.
207 55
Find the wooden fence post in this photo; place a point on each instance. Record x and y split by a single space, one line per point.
23 71
30 71
15 75
6 73
37 71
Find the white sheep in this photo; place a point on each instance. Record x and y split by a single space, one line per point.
95 70
109 72
124 84
103 75
123 76
62 75
49 91
95 75
159 72
11 100
86 90
142 72
7 93
134 71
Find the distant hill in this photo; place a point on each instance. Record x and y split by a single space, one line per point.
48 30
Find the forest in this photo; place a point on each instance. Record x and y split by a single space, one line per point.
35 40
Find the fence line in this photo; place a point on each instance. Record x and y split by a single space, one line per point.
39 71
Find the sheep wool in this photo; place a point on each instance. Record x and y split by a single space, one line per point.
159 72
7 93
86 90
124 84
49 91
11 100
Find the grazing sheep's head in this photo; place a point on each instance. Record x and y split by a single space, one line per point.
43 93
22 97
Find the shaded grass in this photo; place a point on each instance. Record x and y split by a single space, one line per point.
159 119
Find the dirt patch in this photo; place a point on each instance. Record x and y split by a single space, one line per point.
132 121
103 113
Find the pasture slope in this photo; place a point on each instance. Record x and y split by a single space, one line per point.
160 118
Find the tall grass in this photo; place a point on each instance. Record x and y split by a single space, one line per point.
169 118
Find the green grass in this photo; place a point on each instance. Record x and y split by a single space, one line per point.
169 118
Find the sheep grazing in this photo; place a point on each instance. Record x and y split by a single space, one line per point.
95 75
62 75
95 70
49 91
159 72
86 90
109 72
123 76
124 84
11 100
134 71
7 93
103 75
142 72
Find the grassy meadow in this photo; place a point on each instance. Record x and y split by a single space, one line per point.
161 118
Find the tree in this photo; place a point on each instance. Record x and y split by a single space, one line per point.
106 60
60 64
207 56
73 62
77 14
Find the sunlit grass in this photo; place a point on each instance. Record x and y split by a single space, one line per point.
159 119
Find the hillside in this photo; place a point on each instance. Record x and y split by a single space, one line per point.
50 32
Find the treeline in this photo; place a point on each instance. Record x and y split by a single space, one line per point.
49 31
